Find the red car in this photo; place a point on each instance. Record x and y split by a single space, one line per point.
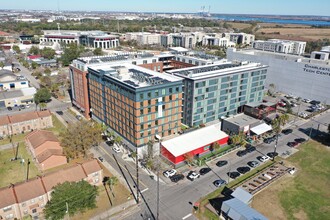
282 104
293 144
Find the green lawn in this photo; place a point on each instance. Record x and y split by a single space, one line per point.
309 194
16 138
15 171
58 127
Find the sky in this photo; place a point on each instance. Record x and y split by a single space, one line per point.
279 7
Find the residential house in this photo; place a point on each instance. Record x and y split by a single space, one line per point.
46 149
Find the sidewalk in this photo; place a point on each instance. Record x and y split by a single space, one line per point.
118 212
6 146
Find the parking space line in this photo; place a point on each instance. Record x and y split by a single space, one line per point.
187 216
140 181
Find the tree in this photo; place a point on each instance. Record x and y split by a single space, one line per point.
16 49
42 95
2 65
71 52
48 53
34 50
98 51
188 157
112 181
47 71
214 146
117 140
34 65
80 137
72 197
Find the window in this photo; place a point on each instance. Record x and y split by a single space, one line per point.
149 94
141 111
149 110
145 62
149 102
134 62
156 93
8 208
141 104
141 95
154 60
156 122
141 126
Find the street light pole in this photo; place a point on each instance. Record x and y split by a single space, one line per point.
310 133
160 142
275 146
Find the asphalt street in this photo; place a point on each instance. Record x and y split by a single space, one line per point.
177 199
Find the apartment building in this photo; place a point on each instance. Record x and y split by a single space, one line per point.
217 40
162 62
148 39
21 200
135 102
240 38
25 122
93 39
216 90
281 46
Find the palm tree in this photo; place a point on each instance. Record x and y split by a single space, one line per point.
112 181
117 140
277 124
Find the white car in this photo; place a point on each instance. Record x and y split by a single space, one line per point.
169 173
193 175
116 149
264 158
307 100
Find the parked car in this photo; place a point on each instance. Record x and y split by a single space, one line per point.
302 114
292 144
59 112
21 106
9 108
204 170
192 175
300 140
253 163
241 153
100 159
219 183
272 154
177 177
269 140
27 106
314 102
233 175
281 104
110 143
116 149
243 170
169 173
306 100
287 131
263 158
79 117
221 163
250 149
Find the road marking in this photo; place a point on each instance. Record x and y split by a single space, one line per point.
187 216
140 182
144 190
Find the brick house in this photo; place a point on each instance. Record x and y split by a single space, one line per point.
29 198
46 149
25 122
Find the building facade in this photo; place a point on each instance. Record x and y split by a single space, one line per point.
135 102
217 90
291 74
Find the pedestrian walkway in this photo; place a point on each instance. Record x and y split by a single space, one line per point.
6 146
117 212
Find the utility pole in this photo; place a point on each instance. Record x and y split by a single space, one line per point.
16 155
275 146
310 133
158 170
137 175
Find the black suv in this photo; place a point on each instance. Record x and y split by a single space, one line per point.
241 153
287 131
221 163
233 175
176 178
243 170
250 149
204 170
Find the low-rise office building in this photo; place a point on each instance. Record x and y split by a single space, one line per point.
220 89
93 39
13 98
196 143
135 102
10 81
291 74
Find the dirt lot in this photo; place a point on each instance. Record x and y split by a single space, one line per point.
308 34
267 200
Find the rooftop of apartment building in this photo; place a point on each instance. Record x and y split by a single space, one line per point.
113 58
135 76
280 41
281 56
16 118
213 70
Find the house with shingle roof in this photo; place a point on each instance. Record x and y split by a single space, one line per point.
46 149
